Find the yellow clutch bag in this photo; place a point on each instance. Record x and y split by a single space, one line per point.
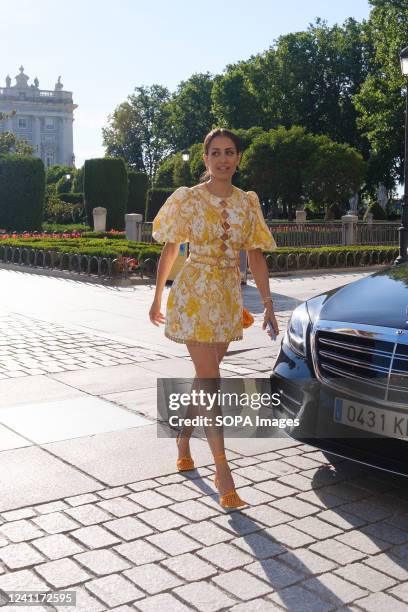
247 318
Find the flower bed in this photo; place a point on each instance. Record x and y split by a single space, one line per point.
74 233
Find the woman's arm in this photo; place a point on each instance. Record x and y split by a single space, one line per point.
259 271
167 258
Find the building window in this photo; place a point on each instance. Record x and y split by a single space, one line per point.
49 160
22 123
49 124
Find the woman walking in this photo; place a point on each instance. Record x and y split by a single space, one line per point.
204 307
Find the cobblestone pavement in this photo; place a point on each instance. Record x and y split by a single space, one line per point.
315 537
29 347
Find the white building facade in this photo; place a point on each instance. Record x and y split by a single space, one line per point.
44 118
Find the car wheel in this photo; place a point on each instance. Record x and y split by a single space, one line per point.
333 459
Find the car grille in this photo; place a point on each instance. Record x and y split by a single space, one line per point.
365 367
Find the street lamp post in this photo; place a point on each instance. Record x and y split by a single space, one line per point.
403 229
185 155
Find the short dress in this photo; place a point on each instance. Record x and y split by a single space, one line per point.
204 305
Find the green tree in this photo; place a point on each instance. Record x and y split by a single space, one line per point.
318 72
197 166
174 172
181 172
124 135
57 171
380 102
333 173
274 166
78 180
291 165
64 184
307 78
246 137
190 112
10 144
165 172
235 103
137 130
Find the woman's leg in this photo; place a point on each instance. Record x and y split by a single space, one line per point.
206 362
221 351
183 440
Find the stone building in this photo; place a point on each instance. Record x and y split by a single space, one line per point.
43 117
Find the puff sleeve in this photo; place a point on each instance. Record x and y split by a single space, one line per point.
173 221
259 235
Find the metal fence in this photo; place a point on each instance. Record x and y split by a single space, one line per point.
146 231
306 234
377 233
91 265
311 234
120 268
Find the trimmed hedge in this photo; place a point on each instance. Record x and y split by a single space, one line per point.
22 191
379 214
138 186
78 180
155 200
63 185
108 235
164 174
64 227
280 260
290 259
111 248
106 185
57 171
72 198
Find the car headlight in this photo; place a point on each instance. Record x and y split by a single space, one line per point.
297 329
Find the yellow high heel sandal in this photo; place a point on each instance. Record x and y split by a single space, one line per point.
184 464
231 499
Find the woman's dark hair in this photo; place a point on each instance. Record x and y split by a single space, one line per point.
210 137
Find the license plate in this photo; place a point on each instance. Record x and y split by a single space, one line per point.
388 423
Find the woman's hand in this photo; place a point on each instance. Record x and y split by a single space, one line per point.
269 315
155 314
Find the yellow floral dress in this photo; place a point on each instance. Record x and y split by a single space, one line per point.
204 306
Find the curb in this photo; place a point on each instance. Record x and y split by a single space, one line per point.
84 278
130 282
314 271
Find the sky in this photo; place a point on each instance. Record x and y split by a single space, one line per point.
104 49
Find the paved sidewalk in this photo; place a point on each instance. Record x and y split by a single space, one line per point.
89 497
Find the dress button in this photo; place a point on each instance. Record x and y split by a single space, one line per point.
224 214
226 225
223 247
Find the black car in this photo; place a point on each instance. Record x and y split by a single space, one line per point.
342 371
